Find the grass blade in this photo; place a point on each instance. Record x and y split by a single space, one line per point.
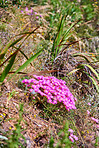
10 57
57 39
94 82
27 62
10 44
60 30
29 32
22 53
7 68
84 56
60 49
73 71
67 32
92 69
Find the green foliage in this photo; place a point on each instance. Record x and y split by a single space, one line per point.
63 138
51 142
70 10
74 11
27 62
88 9
97 141
13 139
7 69
90 72
88 12
60 38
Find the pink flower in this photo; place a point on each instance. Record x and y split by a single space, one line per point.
26 9
25 81
89 104
21 11
35 13
88 112
96 120
70 130
75 99
31 10
31 90
75 137
37 17
71 139
97 126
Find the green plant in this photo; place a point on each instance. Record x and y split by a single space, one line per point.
87 69
97 141
16 44
88 9
11 94
74 12
68 8
13 138
63 138
60 38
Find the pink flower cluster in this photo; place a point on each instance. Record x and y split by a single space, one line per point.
53 89
72 137
31 12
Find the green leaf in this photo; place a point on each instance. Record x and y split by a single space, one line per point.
21 52
94 82
93 70
56 42
51 142
64 41
29 32
7 68
27 62
84 56
10 44
60 30
74 70
68 31
18 49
